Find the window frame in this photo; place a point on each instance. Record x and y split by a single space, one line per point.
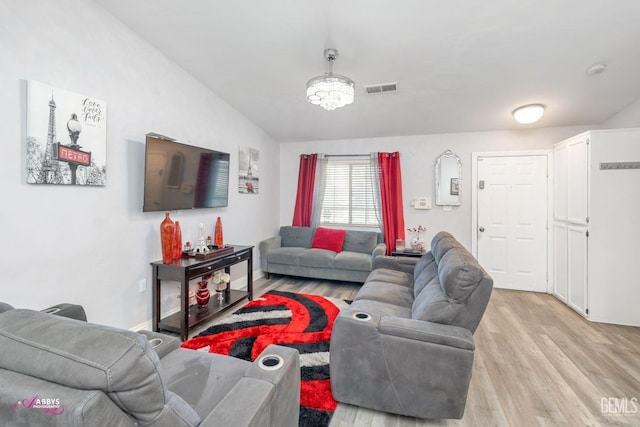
366 209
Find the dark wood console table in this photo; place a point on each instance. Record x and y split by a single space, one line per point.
185 269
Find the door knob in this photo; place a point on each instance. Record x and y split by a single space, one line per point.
481 229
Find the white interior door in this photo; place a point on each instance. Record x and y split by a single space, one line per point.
512 220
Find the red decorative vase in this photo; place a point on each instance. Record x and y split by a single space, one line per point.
177 242
217 236
167 234
202 296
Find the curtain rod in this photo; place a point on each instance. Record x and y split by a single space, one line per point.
347 155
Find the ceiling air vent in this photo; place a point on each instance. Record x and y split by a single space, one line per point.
381 88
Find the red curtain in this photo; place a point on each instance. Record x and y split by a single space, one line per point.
304 196
391 198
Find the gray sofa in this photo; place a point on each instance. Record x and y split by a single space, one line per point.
57 371
405 345
291 253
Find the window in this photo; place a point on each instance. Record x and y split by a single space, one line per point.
349 196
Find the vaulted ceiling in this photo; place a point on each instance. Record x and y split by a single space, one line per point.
459 65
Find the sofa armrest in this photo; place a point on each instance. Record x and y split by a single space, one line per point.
265 246
379 250
266 395
419 330
406 264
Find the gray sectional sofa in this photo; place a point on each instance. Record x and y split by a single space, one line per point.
291 253
57 371
405 345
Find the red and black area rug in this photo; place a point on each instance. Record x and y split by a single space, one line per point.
300 321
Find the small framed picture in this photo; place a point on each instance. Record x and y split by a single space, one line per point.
455 186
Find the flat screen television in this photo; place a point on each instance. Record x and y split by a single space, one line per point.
180 176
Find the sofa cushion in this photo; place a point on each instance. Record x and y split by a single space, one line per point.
319 258
360 241
5 307
425 276
286 255
328 238
396 277
353 261
386 292
424 261
194 375
92 357
77 407
432 305
441 244
296 236
459 274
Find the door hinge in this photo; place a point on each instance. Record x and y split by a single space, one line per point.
586 311
587 219
587 233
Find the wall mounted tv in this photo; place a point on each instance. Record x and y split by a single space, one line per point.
180 176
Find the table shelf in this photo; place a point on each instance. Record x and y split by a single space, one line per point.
198 315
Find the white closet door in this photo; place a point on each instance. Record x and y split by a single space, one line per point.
578 185
560 181
560 261
577 268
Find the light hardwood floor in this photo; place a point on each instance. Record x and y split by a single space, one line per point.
537 363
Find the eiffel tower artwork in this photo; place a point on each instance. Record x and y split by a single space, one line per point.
72 152
248 181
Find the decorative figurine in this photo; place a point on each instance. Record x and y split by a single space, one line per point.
201 245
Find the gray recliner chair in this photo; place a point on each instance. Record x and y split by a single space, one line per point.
405 345
63 372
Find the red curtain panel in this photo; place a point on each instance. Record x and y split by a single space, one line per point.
304 196
391 198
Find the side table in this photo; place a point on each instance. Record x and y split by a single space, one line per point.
186 269
409 253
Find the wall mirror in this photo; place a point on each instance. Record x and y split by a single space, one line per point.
448 170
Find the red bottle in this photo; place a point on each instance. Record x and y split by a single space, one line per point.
177 241
167 234
217 236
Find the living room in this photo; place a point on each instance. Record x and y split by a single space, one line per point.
93 245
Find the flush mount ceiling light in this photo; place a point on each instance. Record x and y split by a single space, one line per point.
528 113
330 91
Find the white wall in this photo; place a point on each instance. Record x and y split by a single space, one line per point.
627 118
418 154
92 245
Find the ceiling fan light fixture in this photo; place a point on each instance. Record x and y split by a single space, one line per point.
528 114
330 91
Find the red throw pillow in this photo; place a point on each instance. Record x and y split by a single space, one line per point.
328 238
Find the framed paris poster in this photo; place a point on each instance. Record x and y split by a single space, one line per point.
248 181
66 137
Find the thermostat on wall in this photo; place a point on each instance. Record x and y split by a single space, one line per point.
421 203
